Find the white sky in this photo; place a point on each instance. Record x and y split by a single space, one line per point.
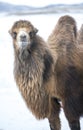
41 2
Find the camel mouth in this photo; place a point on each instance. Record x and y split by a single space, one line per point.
23 44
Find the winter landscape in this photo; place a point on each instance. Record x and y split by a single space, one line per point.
14 115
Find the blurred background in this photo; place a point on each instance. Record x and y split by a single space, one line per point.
44 15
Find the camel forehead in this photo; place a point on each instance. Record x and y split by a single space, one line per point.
22 31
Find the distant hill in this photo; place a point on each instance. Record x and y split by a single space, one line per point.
11 9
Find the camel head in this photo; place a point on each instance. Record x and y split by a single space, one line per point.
23 33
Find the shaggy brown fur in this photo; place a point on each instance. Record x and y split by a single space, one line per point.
33 71
68 57
80 35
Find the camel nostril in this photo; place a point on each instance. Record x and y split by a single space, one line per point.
23 37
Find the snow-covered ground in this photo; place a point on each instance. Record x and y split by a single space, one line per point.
14 114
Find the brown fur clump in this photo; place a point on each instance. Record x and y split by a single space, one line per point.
80 36
33 71
68 57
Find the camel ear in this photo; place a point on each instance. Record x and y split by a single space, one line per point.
10 32
35 30
33 33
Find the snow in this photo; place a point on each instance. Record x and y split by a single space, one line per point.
14 115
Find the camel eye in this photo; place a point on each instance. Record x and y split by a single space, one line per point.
31 34
14 34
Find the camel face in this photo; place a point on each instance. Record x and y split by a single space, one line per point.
23 38
23 33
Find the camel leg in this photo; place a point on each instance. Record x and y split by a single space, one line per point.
54 119
75 125
72 116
